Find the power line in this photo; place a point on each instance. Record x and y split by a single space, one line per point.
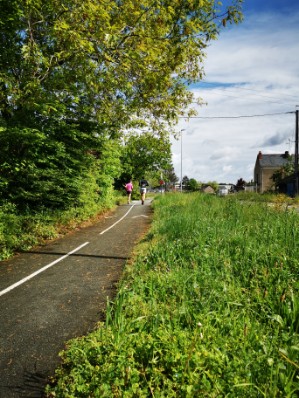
246 98
224 92
218 86
234 117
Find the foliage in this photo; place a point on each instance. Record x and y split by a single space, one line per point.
285 171
209 308
267 197
169 176
190 184
10 229
108 166
193 185
73 73
240 185
111 61
41 170
20 232
145 153
185 182
213 184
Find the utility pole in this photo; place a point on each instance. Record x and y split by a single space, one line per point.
182 160
296 156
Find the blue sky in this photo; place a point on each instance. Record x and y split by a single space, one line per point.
251 88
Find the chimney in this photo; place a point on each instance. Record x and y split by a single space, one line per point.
260 155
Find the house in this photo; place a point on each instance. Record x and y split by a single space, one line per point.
207 189
265 166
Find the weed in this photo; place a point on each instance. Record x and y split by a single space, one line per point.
210 309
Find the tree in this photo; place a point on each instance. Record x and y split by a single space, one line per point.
185 182
240 185
115 62
170 176
145 154
193 185
98 68
285 171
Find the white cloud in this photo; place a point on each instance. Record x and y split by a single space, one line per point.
224 154
255 66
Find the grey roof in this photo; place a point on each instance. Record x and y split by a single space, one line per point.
273 160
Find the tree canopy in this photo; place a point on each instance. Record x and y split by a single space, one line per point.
78 75
116 62
146 153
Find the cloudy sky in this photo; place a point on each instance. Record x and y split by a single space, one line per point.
251 88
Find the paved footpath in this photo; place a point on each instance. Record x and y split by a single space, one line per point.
58 292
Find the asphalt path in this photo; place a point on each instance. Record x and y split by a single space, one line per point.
59 291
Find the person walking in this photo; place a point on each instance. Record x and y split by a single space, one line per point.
142 186
129 188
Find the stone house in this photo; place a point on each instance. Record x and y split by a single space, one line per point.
265 166
207 189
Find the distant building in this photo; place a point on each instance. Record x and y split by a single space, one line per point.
250 188
222 190
207 189
265 166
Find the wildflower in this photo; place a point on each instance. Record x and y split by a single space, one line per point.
270 361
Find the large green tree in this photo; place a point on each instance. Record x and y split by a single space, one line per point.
146 153
113 61
96 68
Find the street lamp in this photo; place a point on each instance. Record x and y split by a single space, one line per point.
182 159
296 153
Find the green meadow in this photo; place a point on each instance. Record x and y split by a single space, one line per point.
209 307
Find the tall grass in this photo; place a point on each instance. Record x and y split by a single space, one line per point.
19 231
209 308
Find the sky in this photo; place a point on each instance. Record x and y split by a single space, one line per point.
251 89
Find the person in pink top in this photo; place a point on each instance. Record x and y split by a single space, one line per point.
129 188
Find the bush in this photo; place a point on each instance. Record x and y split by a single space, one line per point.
41 171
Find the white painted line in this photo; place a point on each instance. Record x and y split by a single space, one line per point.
113 225
8 289
141 215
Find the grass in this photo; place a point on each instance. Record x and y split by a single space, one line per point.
21 231
209 308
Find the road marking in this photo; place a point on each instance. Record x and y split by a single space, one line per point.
113 225
142 215
27 278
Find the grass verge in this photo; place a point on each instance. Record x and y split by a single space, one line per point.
21 231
